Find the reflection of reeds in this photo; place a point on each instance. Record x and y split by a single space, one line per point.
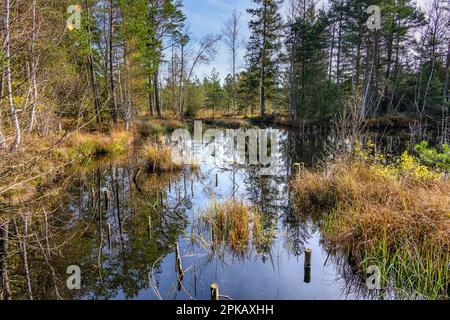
399 225
234 224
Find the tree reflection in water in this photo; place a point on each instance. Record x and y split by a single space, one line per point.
119 224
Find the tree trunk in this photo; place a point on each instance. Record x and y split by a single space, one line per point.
446 108
5 293
111 67
174 78
180 107
151 100
25 257
156 92
447 71
12 109
2 135
33 70
330 62
262 97
338 64
234 77
90 59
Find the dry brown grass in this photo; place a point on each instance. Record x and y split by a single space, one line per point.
235 224
40 159
380 218
159 158
366 204
90 145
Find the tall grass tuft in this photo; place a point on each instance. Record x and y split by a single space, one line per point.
159 158
85 146
235 225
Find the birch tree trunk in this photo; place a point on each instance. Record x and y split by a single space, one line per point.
24 255
2 135
33 70
445 109
12 109
5 293
111 66
181 82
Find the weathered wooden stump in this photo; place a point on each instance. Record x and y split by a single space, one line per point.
214 291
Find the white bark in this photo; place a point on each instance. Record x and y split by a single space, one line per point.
231 33
12 109
2 135
33 70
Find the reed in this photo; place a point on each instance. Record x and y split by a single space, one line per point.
159 158
85 146
236 225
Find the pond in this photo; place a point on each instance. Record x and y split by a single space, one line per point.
121 226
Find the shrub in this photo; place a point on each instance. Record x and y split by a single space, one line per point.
433 158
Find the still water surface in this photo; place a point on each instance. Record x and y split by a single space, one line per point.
121 227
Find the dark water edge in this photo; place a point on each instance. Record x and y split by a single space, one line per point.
121 229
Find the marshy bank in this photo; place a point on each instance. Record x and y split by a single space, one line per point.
393 213
43 161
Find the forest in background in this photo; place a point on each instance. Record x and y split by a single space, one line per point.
133 59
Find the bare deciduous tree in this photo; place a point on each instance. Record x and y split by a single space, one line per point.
231 33
12 109
34 62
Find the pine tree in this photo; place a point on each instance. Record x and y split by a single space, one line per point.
166 18
307 39
213 92
264 47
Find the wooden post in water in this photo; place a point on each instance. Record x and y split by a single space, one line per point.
109 237
308 255
307 278
178 265
185 184
161 199
106 200
150 226
296 168
217 180
215 291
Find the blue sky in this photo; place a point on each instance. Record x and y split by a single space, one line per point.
209 16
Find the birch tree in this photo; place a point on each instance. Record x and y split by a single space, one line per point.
231 36
12 109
